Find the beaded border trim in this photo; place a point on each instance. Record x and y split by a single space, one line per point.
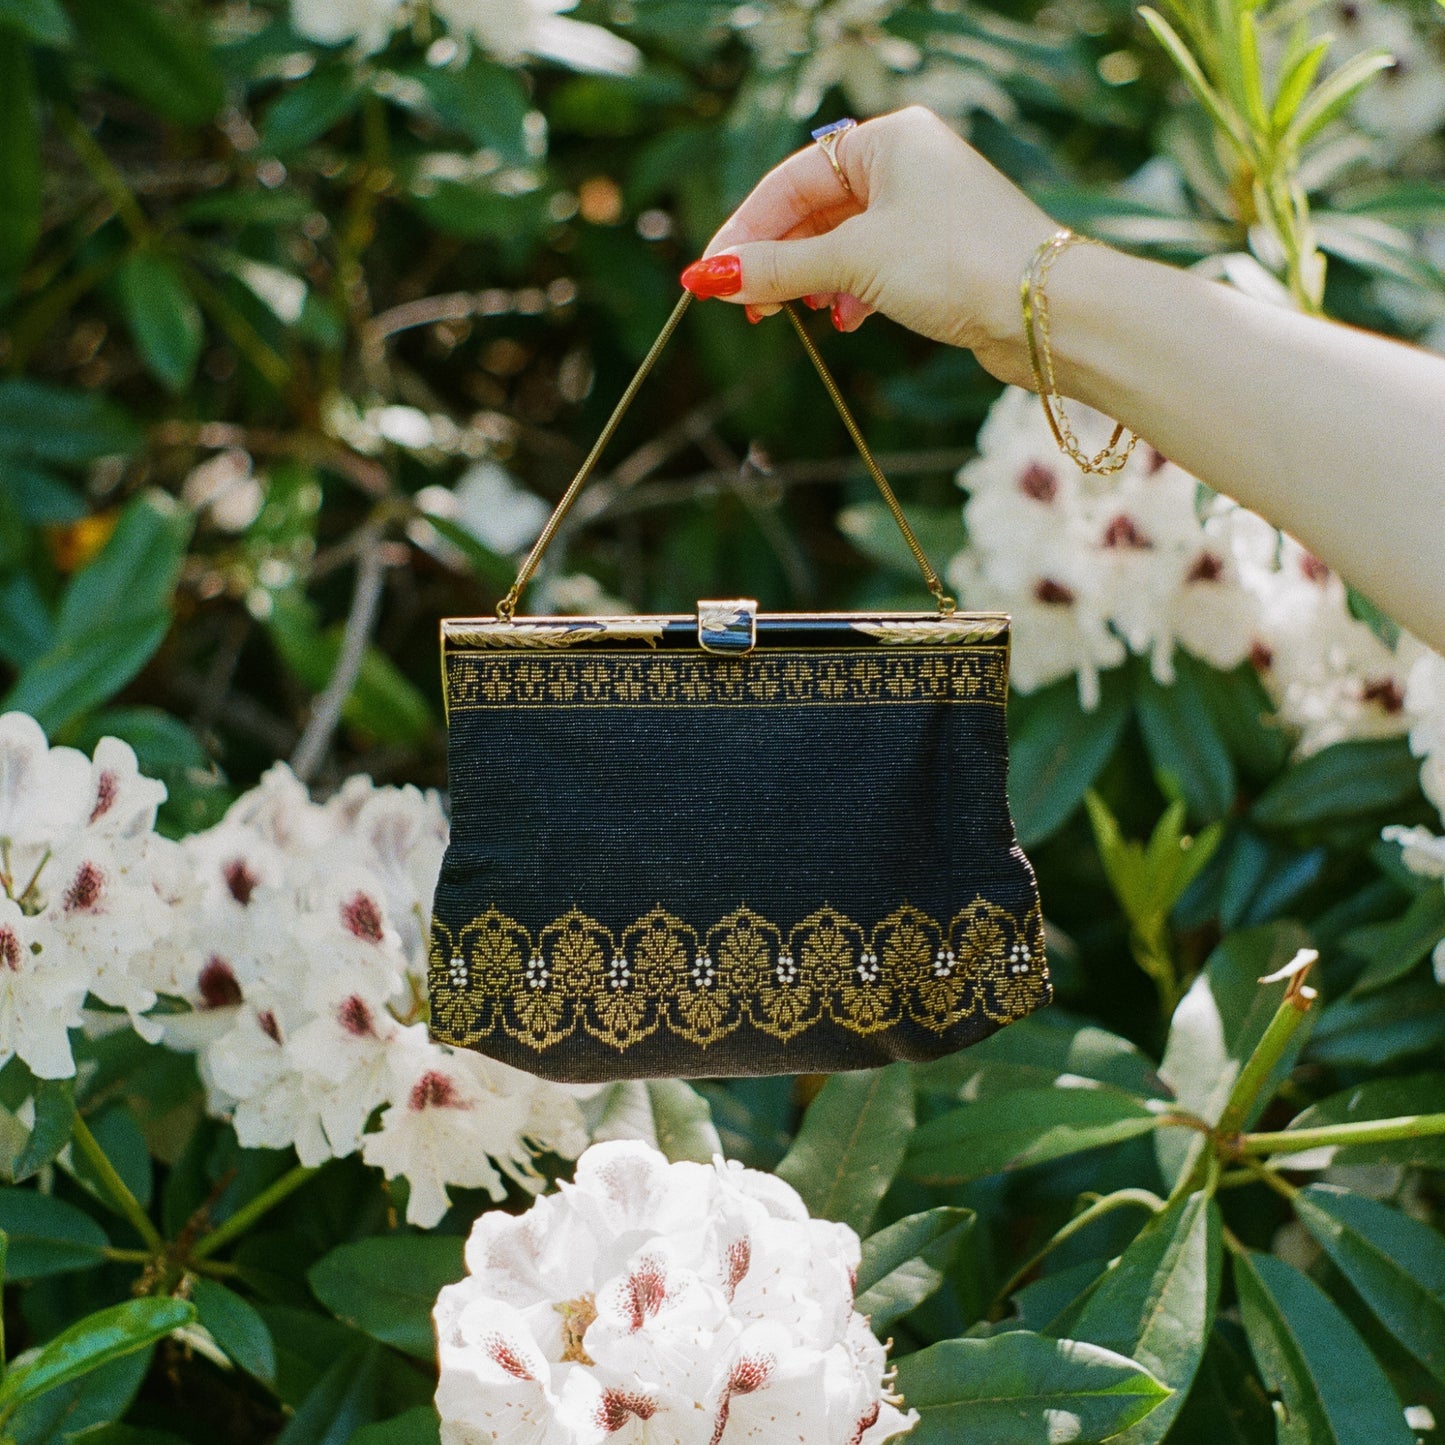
662 974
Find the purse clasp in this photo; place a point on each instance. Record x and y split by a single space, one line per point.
729 626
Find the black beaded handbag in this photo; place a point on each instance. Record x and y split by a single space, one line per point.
730 842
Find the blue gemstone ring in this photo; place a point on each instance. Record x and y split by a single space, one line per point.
827 137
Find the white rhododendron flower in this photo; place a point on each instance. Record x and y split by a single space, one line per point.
1147 562
1425 711
295 932
334 22
647 1302
1422 852
42 987
1406 103
306 976
511 30
1093 568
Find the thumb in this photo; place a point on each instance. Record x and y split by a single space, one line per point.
784 270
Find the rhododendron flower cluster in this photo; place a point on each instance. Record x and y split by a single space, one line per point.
1147 561
285 947
511 30
649 1301
1422 851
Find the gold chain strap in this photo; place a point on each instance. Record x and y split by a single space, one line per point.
507 607
1035 302
946 604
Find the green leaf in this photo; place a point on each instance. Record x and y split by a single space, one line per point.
1155 1304
160 57
307 1344
1185 748
1241 712
683 1121
1349 780
1380 1099
130 1435
85 1407
236 1327
1022 1389
19 153
94 1341
489 569
1334 94
1057 750
55 424
113 615
42 21
905 1263
1028 1126
1332 1390
54 1118
343 1400
1215 1029
387 1286
1046 1302
162 316
307 110
416 1427
482 100
1226 1406
1389 251
851 1144
41 497
1035 1051
1294 84
1395 1263
47 1235
1399 1022
1250 73
383 702
136 571
1149 880
79 674
870 527
1214 104
26 628
1394 948
476 211
120 1137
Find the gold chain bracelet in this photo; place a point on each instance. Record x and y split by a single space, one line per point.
1035 303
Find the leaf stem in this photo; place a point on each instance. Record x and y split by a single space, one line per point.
127 1256
1271 1178
103 173
1366 1131
1266 1056
250 1212
1141 1198
116 1187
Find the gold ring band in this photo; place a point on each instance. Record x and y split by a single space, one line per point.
827 138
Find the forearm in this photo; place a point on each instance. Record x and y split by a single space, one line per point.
1335 435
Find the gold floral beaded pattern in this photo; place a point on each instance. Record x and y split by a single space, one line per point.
685 679
662 974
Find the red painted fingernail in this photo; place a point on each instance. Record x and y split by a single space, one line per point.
815 303
753 314
717 276
837 315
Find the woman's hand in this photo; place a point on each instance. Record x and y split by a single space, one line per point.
932 236
1332 433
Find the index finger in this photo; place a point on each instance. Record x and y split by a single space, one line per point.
791 193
